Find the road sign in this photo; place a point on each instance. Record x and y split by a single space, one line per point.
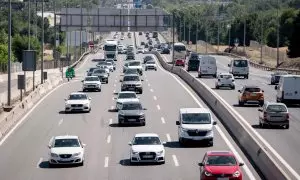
236 42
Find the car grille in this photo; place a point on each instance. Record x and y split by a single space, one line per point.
196 133
130 85
65 155
127 118
77 105
147 155
222 175
91 85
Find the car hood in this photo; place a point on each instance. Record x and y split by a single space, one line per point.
147 148
91 82
131 112
66 150
129 99
131 82
150 64
204 127
222 169
77 101
136 67
100 74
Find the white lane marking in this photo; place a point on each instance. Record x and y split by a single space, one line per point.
113 98
60 122
147 80
168 137
158 107
110 121
39 162
175 160
151 90
148 84
106 162
115 80
245 167
116 76
28 113
114 85
114 91
108 139
155 98
163 120
112 107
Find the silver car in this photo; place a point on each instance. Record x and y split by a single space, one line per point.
274 114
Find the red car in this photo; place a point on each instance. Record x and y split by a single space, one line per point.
180 62
218 165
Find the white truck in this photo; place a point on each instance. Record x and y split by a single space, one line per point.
110 49
288 89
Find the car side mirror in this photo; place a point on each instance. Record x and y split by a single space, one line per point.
142 80
241 164
90 98
65 99
239 90
115 98
49 146
260 110
177 123
262 91
121 80
129 143
164 143
200 164
144 108
215 123
228 65
82 80
83 145
276 87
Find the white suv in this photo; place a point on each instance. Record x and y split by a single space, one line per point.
225 80
195 124
91 83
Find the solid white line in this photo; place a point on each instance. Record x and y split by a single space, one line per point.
39 162
175 160
28 113
110 121
60 122
158 107
106 162
108 139
151 90
148 84
163 120
168 137
155 98
245 167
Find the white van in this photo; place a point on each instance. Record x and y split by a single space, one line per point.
288 89
207 66
239 67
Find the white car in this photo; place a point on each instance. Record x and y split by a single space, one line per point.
125 96
105 67
150 65
147 147
110 66
66 150
135 64
91 83
225 80
140 50
112 62
78 102
122 37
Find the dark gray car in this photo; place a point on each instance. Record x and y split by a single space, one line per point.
132 82
102 75
131 112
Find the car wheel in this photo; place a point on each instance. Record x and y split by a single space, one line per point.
107 82
246 77
145 69
83 90
232 87
181 141
217 87
241 103
99 90
143 123
261 125
199 76
210 143
163 162
81 164
287 126
51 165
261 103
215 75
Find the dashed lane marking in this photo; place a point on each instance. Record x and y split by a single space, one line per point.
158 107
60 122
168 137
175 160
155 98
108 139
106 162
163 120
39 162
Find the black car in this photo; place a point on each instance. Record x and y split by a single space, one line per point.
148 58
140 33
165 51
146 45
142 43
90 71
131 112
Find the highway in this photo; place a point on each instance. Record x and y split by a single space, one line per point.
285 142
24 153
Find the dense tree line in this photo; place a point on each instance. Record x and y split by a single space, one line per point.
259 18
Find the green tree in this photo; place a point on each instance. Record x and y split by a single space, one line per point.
3 37
294 46
20 43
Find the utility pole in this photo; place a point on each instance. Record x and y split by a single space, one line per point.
197 34
184 29
36 22
9 56
261 41
68 35
277 33
173 24
42 58
82 25
244 44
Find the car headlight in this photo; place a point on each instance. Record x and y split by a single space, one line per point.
160 152
138 85
184 130
134 152
236 174
207 173
77 154
86 104
54 155
142 116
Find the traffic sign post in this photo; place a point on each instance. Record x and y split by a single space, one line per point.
236 43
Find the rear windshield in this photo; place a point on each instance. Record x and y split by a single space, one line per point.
252 89
276 108
100 71
240 63
179 48
226 76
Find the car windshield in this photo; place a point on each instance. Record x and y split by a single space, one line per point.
252 89
110 55
127 95
146 141
140 48
132 106
66 143
131 78
226 76
221 161
148 58
110 47
77 97
99 71
137 63
131 71
102 63
92 69
130 57
110 61
150 62
91 79
196 118
276 108
240 63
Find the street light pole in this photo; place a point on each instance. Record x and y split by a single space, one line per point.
9 56
277 33
42 58
81 19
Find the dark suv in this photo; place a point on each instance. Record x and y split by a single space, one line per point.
131 112
132 82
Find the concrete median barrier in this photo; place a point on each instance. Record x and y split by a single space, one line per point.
260 154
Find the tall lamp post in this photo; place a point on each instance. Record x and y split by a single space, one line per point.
9 56
229 34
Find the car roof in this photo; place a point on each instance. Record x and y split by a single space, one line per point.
131 101
91 76
79 93
221 153
225 74
275 103
251 86
66 137
130 75
127 92
146 135
193 110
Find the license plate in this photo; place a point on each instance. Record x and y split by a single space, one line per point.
222 178
148 156
205 71
253 94
131 120
130 88
91 86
